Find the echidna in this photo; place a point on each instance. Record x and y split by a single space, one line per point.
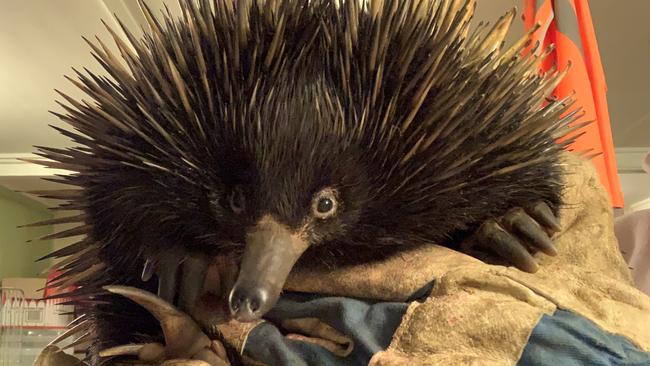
301 132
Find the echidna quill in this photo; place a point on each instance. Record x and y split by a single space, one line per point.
269 135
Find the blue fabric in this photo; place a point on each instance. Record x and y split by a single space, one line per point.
568 339
370 326
563 339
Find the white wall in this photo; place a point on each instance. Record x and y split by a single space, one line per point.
635 182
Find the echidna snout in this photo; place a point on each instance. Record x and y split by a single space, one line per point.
270 253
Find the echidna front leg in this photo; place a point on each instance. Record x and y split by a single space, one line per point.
185 342
518 234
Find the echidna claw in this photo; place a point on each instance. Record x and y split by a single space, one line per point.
495 237
167 271
519 223
185 362
183 337
159 308
146 352
518 233
124 350
167 267
148 270
544 215
194 272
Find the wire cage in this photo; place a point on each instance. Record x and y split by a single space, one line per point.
12 321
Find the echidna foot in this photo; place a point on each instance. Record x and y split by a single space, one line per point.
517 235
197 284
166 266
185 342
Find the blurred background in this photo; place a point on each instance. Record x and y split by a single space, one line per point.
40 40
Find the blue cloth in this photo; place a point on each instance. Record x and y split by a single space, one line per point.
563 339
370 326
568 339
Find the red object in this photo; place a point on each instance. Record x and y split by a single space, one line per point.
50 291
567 24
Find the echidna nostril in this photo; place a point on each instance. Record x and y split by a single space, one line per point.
254 305
235 301
259 299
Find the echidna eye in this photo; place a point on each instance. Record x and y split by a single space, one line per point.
325 205
236 200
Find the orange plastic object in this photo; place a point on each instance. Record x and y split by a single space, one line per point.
567 24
